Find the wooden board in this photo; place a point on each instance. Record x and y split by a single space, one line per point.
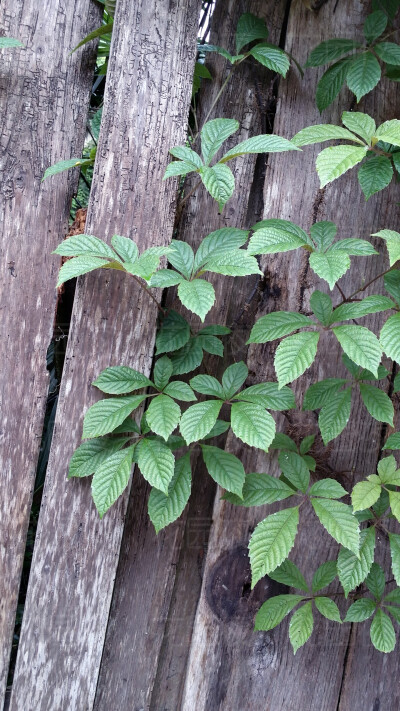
150 564
44 97
76 555
230 666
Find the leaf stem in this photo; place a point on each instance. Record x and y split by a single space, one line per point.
147 290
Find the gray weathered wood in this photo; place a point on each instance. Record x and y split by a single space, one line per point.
43 105
75 559
230 666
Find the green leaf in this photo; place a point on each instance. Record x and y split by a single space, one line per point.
163 415
162 372
180 391
319 394
233 378
324 575
329 50
211 344
198 296
389 131
375 175
374 25
219 182
174 333
288 574
301 626
360 610
84 245
77 266
328 489
6 42
335 415
321 305
252 424
187 155
392 284
330 84
392 240
360 345
330 266
271 57
382 633
394 540
390 337
260 489
339 521
187 358
327 608
275 235
233 263
295 470
104 416
393 596
213 135
393 441
375 581
322 132
265 143
156 462
217 243
146 264
323 234
274 610
282 441
207 385
394 500
181 257
378 404
277 324
111 478
388 472
219 428
249 28
268 395
103 30
176 168
359 123
306 444
389 52
294 355
370 305
363 74
126 248
127 426
226 469
366 493
163 509
272 541
332 162
198 420
121 379
91 454
62 165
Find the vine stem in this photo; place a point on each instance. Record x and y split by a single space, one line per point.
148 292
363 288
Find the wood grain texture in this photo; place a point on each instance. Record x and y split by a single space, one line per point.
149 563
230 666
75 559
44 97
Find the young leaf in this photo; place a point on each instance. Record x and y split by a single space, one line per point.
77 266
198 420
330 266
121 379
233 263
207 385
213 135
330 84
306 444
186 154
181 257
360 345
389 131
295 470
288 574
319 394
265 143
272 57
363 74
335 415
260 489
126 248
378 404
275 235
249 28
6 42
163 415
198 296
226 469
91 454
234 377
324 575
390 337
392 240
84 245
388 472
353 570
62 165
272 541
359 123
301 626
156 462
174 333
329 50
366 493
322 132
382 633
177 168
360 610
294 355
321 305
375 581
162 372
332 162
252 424
163 509
375 175
180 391
274 610
111 478
217 243
374 25
339 521
328 489
268 395
327 608
394 540
219 182
99 32
277 324
104 416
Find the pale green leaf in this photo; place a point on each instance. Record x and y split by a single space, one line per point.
335 415
275 235
198 420
162 372
234 377
233 263
378 403
327 608
265 143
301 626
363 74
274 610
226 469
77 266
187 155
84 245
332 162
198 296
388 472
272 57
357 309
219 182
339 521
207 385
104 416
294 355
330 266
180 391
268 395
295 470
120 379
111 478
62 165
389 132
163 509
392 240
328 489
323 233
394 500
324 575
390 337
375 175
213 135
322 132
253 425
319 394
366 493
394 539
277 324
99 32
359 123
272 541
89 455
163 415
382 633
361 345
126 248
355 246
181 257
217 243
249 28
288 574
261 489
177 168
392 284
156 462
393 441
329 50
165 278
6 42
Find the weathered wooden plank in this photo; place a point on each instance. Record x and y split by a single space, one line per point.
230 666
75 559
44 96
148 564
